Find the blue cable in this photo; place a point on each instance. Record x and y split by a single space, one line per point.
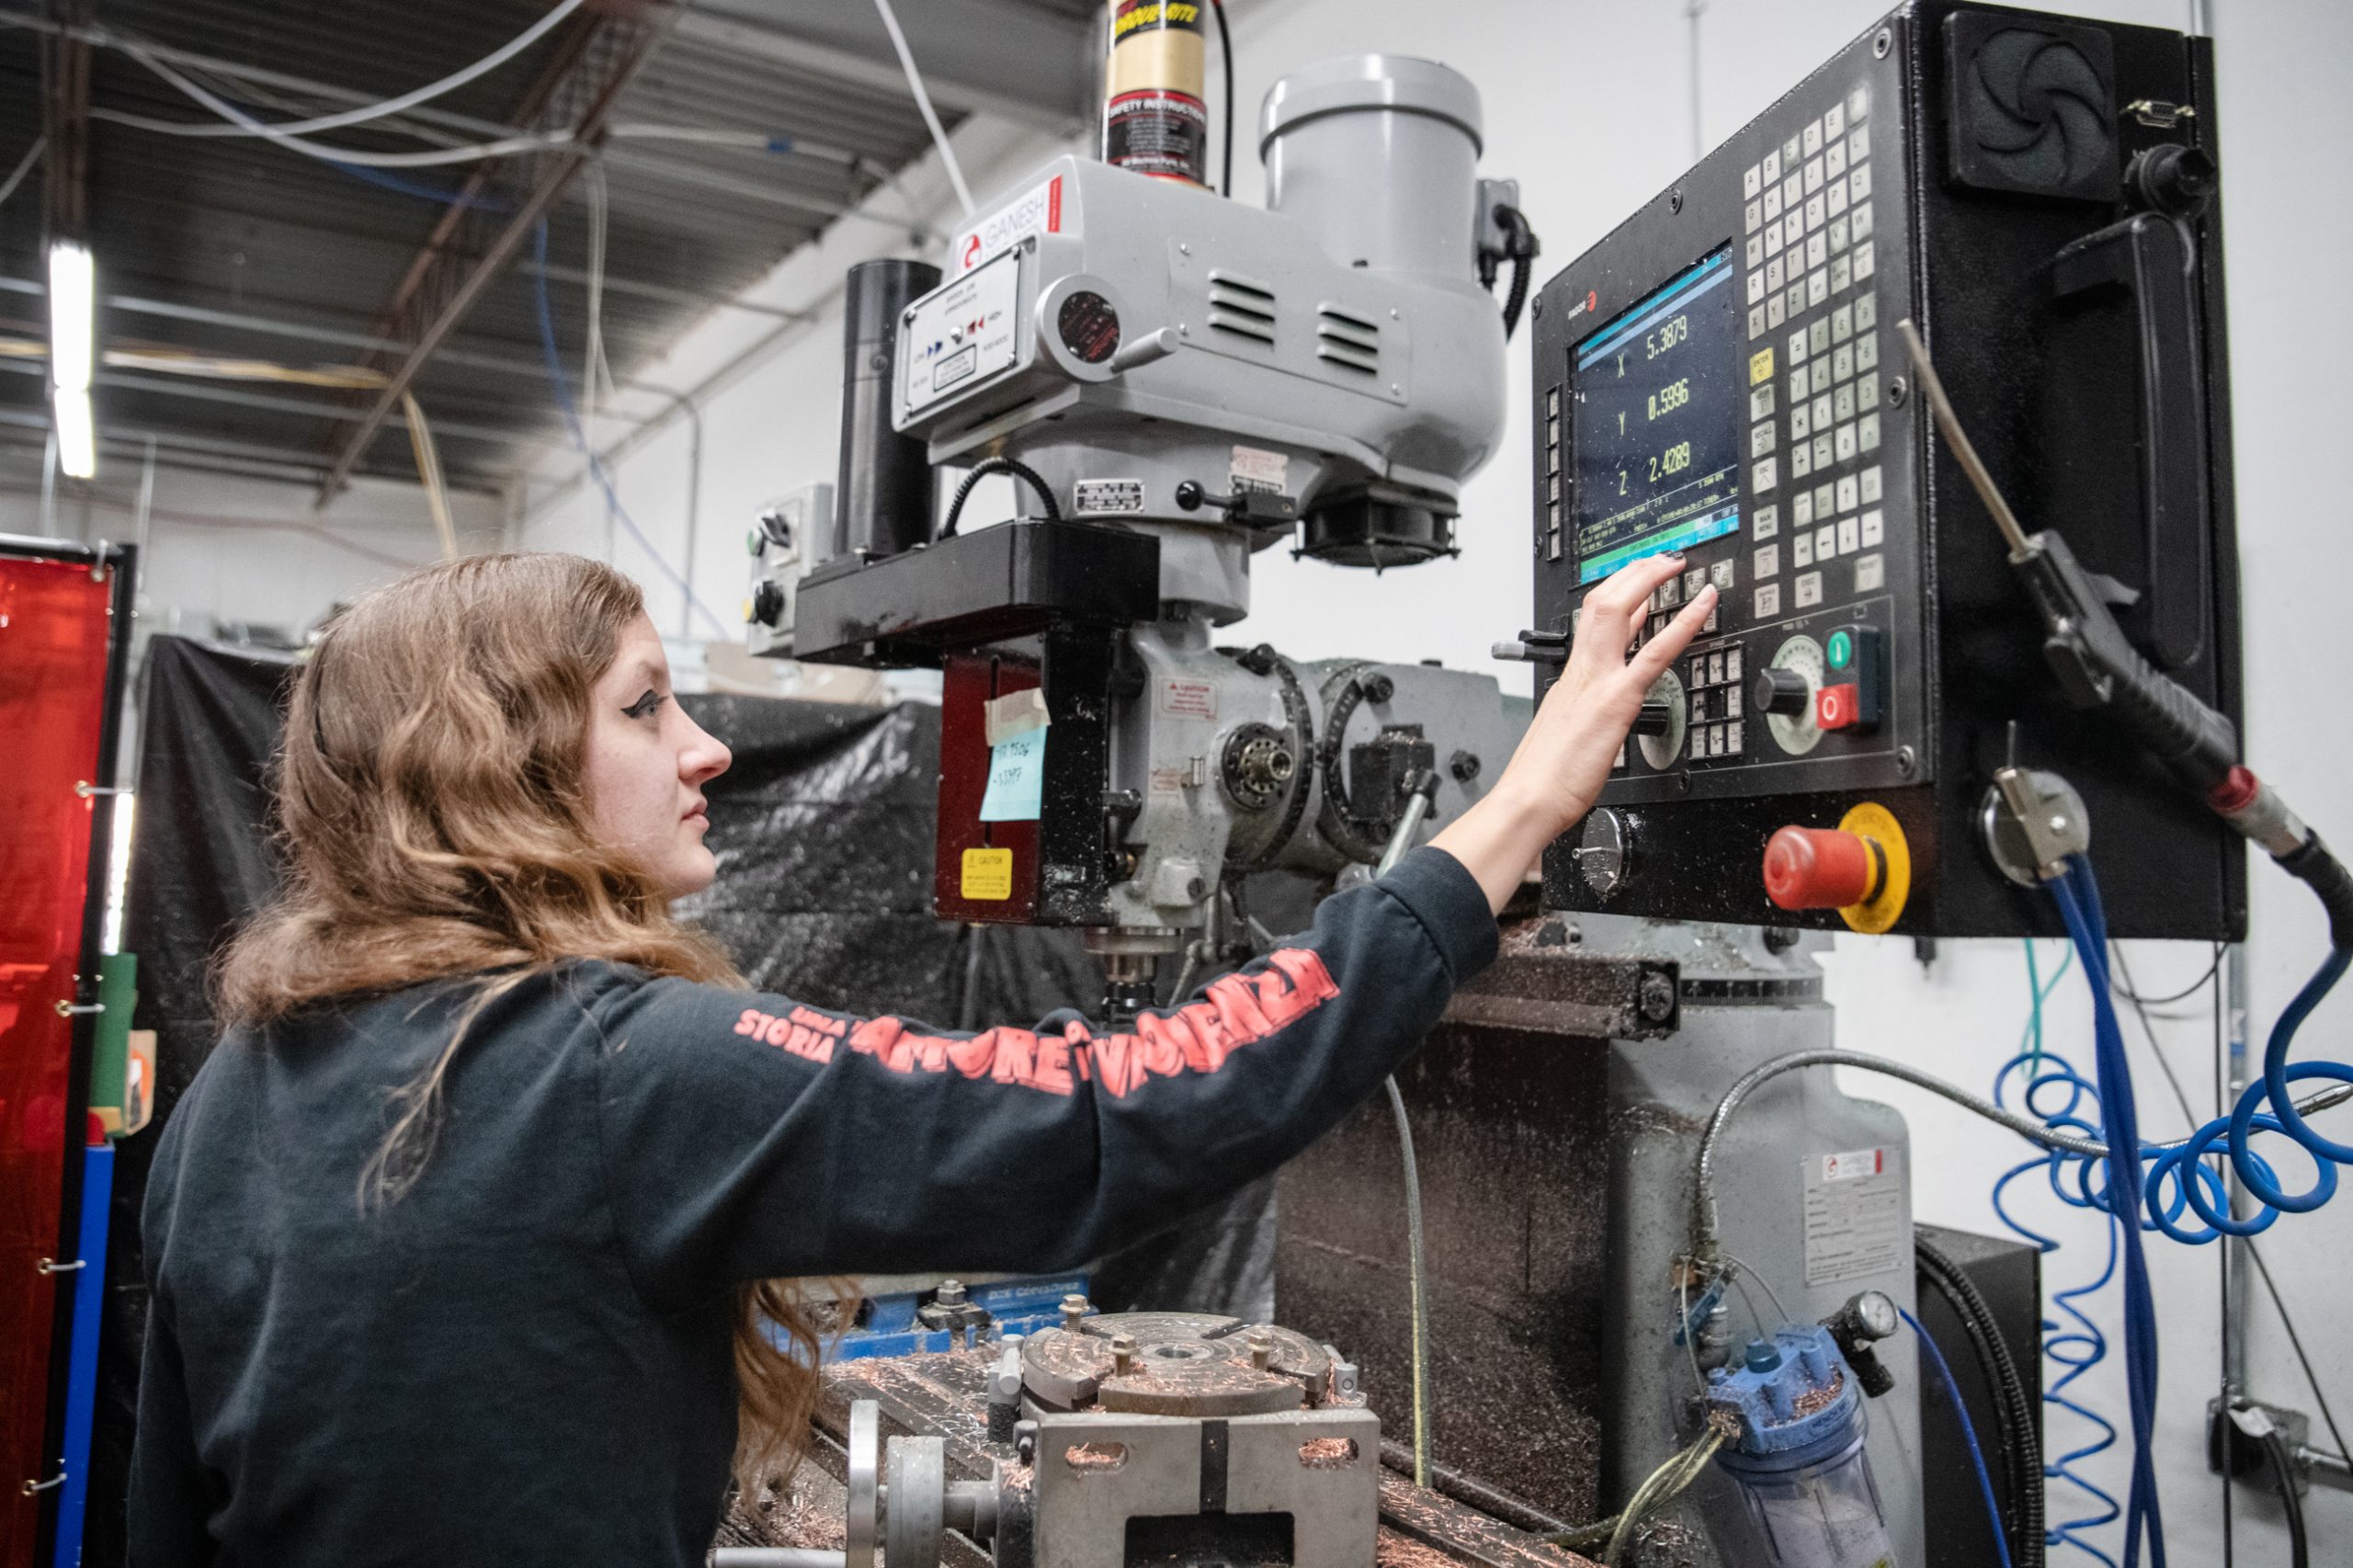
2078 1349
2077 895
580 436
420 189
1968 1435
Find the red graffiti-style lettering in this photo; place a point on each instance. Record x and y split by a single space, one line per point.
973 1057
1015 1053
1163 1049
1236 1002
1115 1061
1235 1011
1310 985
1053 1071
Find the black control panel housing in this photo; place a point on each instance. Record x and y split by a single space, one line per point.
2003 179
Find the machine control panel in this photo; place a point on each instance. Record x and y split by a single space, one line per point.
1736 407
1722 375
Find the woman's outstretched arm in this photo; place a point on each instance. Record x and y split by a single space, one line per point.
749 1136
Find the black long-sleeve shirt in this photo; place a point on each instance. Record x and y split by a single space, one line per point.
527 1358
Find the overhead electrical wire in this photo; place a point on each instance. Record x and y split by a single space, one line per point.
533 141
366 112
561 387
24 167
923 103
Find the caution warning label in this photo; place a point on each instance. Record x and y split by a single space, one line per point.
1856 1221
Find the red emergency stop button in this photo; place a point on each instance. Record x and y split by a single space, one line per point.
1808 867
1837 707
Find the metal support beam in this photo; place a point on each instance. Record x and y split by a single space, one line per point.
191 390
65 111
443 283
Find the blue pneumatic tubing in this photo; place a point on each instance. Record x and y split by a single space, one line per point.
2077 894
1968 1434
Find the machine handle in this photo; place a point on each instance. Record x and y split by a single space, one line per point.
2152 258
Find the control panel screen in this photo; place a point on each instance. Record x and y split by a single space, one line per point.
1658 411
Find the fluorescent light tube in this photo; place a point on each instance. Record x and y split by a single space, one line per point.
77 445
73 294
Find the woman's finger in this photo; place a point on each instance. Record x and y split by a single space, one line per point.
1661 651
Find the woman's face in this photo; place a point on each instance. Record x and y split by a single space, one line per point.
646 765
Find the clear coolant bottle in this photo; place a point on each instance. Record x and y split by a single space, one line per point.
1798 1463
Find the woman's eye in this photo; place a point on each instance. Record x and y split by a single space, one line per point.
645 707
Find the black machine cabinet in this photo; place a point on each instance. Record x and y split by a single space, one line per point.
1723 373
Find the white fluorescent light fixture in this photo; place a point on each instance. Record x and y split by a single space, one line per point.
77 446
73 298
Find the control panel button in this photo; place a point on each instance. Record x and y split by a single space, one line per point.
1839 649
1807 868
1833 707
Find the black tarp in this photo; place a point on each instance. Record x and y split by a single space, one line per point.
822 829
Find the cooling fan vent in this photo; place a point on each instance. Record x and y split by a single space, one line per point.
2031 109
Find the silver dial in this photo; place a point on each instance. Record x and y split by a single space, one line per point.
1660 751
1800 656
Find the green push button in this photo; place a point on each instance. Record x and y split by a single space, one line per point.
1841 649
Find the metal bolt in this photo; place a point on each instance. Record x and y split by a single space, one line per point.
1780 938
1883 42
1656 996
1197 889
1123 1355
1393 315
951 1294
2057 824
1183 330
1536 306
1464 765
1895 392
1262 1348
1906 760
1074 1310
1396 389
1675 200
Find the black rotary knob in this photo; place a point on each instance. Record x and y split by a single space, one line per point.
1782 691
768 601
1655 719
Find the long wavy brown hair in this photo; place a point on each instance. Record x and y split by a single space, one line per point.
435 826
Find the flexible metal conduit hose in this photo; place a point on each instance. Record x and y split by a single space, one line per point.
1704 1195
1421 792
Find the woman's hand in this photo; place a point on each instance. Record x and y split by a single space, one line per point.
1574 739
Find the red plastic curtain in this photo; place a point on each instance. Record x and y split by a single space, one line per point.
53 624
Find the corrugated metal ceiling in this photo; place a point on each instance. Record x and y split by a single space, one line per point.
234 227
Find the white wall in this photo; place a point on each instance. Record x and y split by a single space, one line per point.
227 549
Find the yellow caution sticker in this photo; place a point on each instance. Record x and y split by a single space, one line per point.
988 874
1760 366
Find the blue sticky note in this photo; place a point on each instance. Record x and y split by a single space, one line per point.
1017 778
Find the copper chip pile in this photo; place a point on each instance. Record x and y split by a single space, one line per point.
1326 1453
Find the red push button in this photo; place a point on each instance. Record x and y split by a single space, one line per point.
1807 868
1837 707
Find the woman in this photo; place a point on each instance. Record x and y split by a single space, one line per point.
456 1242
